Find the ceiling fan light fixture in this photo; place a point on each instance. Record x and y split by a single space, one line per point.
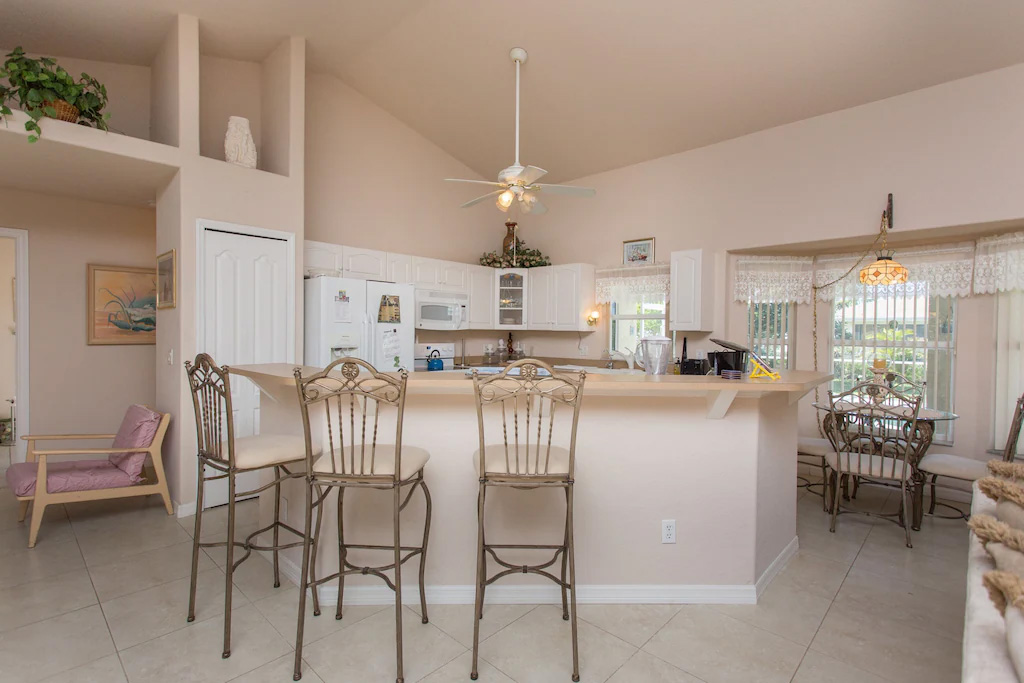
885 270
505 200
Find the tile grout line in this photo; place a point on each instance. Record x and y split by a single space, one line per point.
99 604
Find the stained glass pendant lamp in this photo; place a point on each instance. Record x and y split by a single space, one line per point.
885 270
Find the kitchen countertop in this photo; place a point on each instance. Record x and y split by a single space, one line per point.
719 392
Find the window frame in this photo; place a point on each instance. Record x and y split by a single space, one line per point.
614 317
786 339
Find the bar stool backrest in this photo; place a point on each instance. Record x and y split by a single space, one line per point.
874 430
352 397
903 385
528 400
1010 452
211 398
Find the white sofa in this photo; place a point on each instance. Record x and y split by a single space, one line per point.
986 658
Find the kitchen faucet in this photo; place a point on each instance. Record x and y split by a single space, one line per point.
625 355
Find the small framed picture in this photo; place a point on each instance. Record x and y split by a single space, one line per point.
638 251
167 280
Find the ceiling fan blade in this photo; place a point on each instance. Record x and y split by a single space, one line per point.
566 189
473 202
530 175
475 182
537 207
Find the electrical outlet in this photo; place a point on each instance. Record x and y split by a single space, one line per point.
170 357
668 531
584 349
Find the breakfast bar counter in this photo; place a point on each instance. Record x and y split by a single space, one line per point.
718 457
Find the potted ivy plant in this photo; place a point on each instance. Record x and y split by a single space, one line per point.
41 87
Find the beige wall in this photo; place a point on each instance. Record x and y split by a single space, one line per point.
227 87
76 387
372 181
8 385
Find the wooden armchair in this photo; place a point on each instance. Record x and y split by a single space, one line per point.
120 475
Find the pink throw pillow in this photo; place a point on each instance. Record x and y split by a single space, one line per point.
137 431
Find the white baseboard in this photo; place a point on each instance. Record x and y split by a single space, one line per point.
777 565
542 594
187 510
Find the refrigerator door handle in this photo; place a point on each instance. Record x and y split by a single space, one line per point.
369 341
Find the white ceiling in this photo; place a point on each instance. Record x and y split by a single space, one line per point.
608 82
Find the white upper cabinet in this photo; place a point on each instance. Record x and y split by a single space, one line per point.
400 268
481 298
512 298
541 305
366 264
321 258
426 272
692 290
453 276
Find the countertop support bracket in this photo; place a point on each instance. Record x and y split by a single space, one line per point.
719 402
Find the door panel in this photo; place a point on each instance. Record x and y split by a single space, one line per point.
245 310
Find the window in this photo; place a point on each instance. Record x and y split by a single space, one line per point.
769 332
911 329
636 315
1009 361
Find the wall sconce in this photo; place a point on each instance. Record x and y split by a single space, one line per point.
593 317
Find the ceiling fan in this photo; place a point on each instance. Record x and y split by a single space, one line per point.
517 185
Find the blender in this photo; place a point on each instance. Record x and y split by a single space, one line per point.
654 353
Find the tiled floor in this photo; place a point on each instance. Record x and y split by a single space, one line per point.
103 598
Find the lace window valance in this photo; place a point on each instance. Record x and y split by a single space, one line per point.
773 279
999 264
650 279
946 270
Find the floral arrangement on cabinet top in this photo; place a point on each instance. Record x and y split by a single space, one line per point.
514 253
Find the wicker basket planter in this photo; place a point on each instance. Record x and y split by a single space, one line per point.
65 111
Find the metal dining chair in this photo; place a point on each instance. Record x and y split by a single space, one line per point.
351 404
874 431
963 468
220 451
527 395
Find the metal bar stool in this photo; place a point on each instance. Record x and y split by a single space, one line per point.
527 394
350 402
218 449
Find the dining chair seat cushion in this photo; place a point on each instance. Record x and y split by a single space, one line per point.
495 461
266 450
809 445
383 461
70 475
867 465
951 465
137 430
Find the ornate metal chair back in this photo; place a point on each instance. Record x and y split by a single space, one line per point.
874 430
211 399
528 394
356 403
904 385
1010 452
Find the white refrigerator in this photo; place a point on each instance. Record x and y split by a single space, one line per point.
373 321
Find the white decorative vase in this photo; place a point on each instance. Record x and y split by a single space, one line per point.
239 147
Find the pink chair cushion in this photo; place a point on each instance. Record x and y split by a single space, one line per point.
72 475
137 430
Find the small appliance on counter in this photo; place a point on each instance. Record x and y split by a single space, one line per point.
732 361
434 357
654 353
693 366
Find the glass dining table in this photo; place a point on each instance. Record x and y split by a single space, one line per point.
926 419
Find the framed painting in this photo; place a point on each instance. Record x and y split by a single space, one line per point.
167 280
122 305
638 251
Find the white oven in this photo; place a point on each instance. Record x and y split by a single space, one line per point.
436 310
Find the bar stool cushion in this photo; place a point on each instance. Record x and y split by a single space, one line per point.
808 445
413 460
494 459
951 465
866 464
72 475
266 450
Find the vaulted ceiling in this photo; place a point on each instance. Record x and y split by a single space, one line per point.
608 83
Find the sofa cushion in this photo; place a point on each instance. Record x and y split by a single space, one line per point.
1009 499
73 475
137 431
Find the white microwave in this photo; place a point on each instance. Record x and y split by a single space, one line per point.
436 310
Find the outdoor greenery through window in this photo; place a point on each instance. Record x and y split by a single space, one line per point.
635 316
915 332
769 332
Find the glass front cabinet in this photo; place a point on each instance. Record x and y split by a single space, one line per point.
511 293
